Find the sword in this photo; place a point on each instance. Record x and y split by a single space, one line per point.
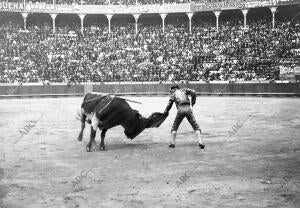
190 132
113 96
133 101
184 133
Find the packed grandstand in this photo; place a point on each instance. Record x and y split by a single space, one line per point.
204 52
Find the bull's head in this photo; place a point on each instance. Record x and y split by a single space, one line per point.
79 115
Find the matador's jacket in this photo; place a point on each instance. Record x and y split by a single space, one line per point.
180 97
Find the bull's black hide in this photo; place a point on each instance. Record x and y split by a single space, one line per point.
113 111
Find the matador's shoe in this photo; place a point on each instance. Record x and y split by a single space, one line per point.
202 146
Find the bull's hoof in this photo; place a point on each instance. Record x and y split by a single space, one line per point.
102 148
88 149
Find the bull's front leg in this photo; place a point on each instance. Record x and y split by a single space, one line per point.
102 146
82 119
94 126
92 139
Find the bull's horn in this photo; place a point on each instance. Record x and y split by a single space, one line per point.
78 115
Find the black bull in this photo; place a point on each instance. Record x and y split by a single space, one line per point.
106 111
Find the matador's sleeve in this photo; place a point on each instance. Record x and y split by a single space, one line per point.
192 93
170 104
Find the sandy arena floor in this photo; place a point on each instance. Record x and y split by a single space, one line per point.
259 166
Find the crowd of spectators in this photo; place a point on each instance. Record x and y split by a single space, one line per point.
232 53
120 2
137 2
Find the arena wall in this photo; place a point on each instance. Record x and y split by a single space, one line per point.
267 89
41 90
235 89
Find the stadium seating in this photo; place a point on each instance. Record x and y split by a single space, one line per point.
231 54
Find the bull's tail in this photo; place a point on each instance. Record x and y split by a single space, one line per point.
82 118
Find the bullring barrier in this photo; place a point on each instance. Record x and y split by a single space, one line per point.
214 89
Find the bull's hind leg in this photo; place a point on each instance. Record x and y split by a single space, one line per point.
102 146
82 119
92 139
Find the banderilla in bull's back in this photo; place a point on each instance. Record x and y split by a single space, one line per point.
133 101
